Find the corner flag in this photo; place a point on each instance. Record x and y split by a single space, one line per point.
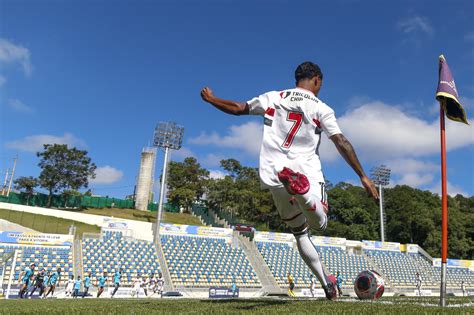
448 98
447 93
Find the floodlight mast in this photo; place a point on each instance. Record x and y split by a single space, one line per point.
167 135
381 177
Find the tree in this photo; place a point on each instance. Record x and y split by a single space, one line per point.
186 182
64 169
28 184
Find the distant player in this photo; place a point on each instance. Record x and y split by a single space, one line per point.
234 288
101 283
418 283
77 287
46 283
54 280
146 284
117 277
137 285
69 286
87 284
463 288
25 279
291 285
160 283
294 120
312 285
339 281
39 283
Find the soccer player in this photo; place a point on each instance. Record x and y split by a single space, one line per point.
69 286
289 157
46 283
77 287
87 284
25 279
339 283
160 283
312 285
137 284
463 288
117 276
39 283
102 281
418 283
54 280
291 285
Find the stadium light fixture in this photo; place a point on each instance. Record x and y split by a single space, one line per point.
381 177
168 135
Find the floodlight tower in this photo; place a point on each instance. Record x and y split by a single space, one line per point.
381 177
168 135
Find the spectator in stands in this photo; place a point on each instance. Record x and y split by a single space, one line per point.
87 283
102 281
418 283
291 285
54 280
25 278
312 285
39 283
77 287
117 276
69 286
463 288
339 283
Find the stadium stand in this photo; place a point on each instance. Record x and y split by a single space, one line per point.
203 261
48 257
112 251
282 259
338 259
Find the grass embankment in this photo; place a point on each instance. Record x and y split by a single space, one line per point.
138 215
235 306
47 224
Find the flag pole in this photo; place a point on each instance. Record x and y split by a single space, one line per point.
444 208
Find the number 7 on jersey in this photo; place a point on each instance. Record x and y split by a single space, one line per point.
296 118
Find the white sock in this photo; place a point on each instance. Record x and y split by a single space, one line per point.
310 256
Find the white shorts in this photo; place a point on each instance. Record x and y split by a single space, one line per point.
296 210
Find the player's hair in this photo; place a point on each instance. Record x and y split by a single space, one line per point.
307 70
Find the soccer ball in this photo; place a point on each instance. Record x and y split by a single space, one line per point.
369 285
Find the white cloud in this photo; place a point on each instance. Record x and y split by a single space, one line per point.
12 54
412 172
246 137
381 132
453 190
212 160
415 25
35 143
216 174
19 106
2 80
106 175
181 154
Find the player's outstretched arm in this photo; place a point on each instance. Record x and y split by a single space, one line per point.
227 106
348 153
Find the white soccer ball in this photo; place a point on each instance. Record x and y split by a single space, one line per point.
369 285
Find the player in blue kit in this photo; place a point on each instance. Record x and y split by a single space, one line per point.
25 278
117 276
54 280
87 283
101 283
77 287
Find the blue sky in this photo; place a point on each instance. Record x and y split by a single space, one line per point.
100 74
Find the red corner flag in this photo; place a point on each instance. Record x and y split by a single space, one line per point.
448 98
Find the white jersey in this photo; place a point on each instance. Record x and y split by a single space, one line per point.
293 122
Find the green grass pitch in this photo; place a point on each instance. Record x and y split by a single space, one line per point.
272 306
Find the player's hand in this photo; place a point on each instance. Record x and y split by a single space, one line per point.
369 187
206 94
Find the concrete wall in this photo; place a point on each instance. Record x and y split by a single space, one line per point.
141 230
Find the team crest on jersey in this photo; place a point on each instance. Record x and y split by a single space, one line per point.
285 94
